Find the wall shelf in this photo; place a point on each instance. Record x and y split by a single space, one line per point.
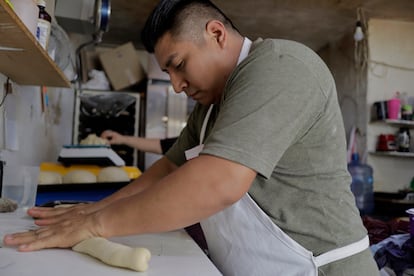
393 153
22 59
401 123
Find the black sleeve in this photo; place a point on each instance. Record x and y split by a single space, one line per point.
167 143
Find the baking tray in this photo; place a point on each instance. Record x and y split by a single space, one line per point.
89 192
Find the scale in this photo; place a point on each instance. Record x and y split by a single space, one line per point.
99 155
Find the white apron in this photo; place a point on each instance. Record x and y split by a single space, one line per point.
243 240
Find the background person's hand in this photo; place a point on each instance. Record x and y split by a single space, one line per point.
113 137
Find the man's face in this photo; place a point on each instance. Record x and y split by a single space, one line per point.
195 68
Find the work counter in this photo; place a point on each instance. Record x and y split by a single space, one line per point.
173 253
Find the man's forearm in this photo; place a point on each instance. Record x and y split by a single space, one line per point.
197 190
157 171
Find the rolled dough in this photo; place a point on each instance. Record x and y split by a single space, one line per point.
115 254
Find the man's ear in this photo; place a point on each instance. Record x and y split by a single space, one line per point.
217 31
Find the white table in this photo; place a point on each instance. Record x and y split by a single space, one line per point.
173 253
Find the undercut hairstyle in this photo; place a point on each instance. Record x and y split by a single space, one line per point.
182 19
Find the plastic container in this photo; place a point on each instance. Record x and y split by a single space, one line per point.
43 25
362 185
394 108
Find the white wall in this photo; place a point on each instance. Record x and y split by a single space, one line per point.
391 69
40 134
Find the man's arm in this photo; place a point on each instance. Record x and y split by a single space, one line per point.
196 190
161 168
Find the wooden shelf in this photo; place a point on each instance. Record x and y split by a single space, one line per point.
393 153
22 58
401 123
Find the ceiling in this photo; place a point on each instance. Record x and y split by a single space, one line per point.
312 22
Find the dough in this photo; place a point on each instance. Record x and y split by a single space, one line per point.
92 139
115 254
79 176
49 178
113 174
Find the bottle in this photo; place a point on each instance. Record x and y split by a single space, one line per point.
43 24
362 185
403 139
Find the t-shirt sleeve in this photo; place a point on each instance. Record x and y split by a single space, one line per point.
166 144
188 138
271 100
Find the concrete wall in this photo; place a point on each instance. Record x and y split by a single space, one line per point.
351 87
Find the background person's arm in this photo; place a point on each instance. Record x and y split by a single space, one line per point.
143 144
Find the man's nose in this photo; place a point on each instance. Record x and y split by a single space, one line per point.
178 83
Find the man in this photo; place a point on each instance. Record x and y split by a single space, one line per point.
261 162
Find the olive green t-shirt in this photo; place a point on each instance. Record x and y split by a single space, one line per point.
279 116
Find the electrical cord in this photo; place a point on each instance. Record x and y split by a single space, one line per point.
5 91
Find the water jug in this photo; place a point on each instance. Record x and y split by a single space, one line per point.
362 185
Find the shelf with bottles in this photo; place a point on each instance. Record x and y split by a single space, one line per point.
22 58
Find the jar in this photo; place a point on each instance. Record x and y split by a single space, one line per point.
403 140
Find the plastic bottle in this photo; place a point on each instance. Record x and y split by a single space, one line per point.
403 139
43 24
362 185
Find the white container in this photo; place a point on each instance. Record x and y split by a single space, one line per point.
28 12
20 184
43 25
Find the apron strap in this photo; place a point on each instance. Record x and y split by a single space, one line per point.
204 127
342 252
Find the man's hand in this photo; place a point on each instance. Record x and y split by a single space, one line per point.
60 228
46 216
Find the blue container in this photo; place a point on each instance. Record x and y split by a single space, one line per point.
362 185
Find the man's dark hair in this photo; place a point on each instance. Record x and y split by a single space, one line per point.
179 17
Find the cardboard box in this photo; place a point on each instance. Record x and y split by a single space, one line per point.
90 60
122 66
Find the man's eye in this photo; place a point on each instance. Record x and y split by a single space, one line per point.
180 65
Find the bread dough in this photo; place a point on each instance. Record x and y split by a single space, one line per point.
112 174
115 254
79 176
46 178
92 139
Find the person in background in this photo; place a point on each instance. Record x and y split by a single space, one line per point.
152 145
261 162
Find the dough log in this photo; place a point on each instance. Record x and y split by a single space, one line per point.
115 254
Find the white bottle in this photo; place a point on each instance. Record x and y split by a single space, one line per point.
43 24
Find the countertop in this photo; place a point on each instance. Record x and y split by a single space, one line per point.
173 253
